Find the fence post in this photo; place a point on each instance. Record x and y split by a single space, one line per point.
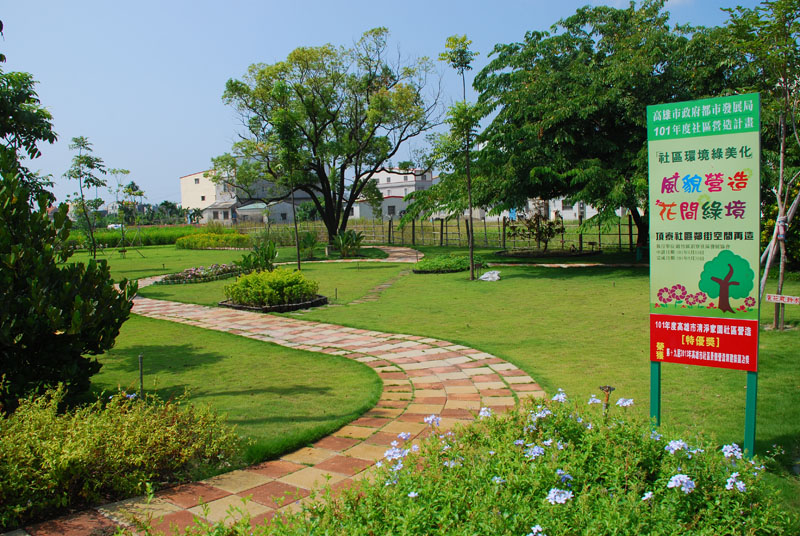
441 231
485 233
391 221
580 234
402 236
413 233
619 228
503 233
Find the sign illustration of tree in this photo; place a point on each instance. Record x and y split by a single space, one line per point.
727 276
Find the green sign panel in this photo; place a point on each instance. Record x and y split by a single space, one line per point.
704 209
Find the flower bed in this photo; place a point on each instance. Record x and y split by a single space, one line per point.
278 291
317 301
201 274
550 468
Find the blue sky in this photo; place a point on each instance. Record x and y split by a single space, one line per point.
143 80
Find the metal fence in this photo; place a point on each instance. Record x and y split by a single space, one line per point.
618 236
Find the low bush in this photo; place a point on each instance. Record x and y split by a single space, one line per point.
214 241
201 274
549 468
261 259
445 264
308 242
348 243
52 462
278 287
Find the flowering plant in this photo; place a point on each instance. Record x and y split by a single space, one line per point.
551 467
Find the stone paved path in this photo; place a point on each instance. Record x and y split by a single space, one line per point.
421 376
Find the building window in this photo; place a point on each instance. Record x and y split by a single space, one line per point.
202 198
216 215
283 216
406 193
390 210
405 178
224 214
352 212
566 205
388 193
388 179
197 181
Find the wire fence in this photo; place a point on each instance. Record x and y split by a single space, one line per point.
615 236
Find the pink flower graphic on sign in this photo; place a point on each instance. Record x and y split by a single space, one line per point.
678 292
750 301
664 295
700 297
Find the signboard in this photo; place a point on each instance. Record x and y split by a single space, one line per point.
704 208
704 163
780 298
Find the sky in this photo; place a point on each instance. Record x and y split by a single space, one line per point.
143 80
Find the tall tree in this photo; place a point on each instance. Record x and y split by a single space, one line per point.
462 121
86 169
351 110
570 104
769 36
23 124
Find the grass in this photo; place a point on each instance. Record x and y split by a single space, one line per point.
280 398
581 328
341 283
157 260
490 255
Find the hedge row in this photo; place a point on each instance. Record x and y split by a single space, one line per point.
215 240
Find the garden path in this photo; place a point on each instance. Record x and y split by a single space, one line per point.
421 376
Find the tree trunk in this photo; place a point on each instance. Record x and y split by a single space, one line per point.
724 291
641 227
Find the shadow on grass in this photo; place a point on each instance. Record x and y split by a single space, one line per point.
532 272
158 358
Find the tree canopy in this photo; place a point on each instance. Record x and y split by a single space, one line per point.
568 106
24 122
323 121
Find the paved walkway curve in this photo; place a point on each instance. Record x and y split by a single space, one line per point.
421 376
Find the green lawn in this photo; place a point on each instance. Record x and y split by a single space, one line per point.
490 255
156 260
340 282
280 398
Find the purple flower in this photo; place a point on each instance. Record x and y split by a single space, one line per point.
732 451
681 481
432 420
484 413
625 402
558 496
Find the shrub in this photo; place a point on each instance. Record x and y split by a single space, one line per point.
444 264
54 314
279 287
282 235
53 461
348 243
214 241
547 468
562 468
261 259
308 242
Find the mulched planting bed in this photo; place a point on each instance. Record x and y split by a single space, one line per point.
197 280
285 308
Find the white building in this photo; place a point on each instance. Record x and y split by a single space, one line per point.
228 205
